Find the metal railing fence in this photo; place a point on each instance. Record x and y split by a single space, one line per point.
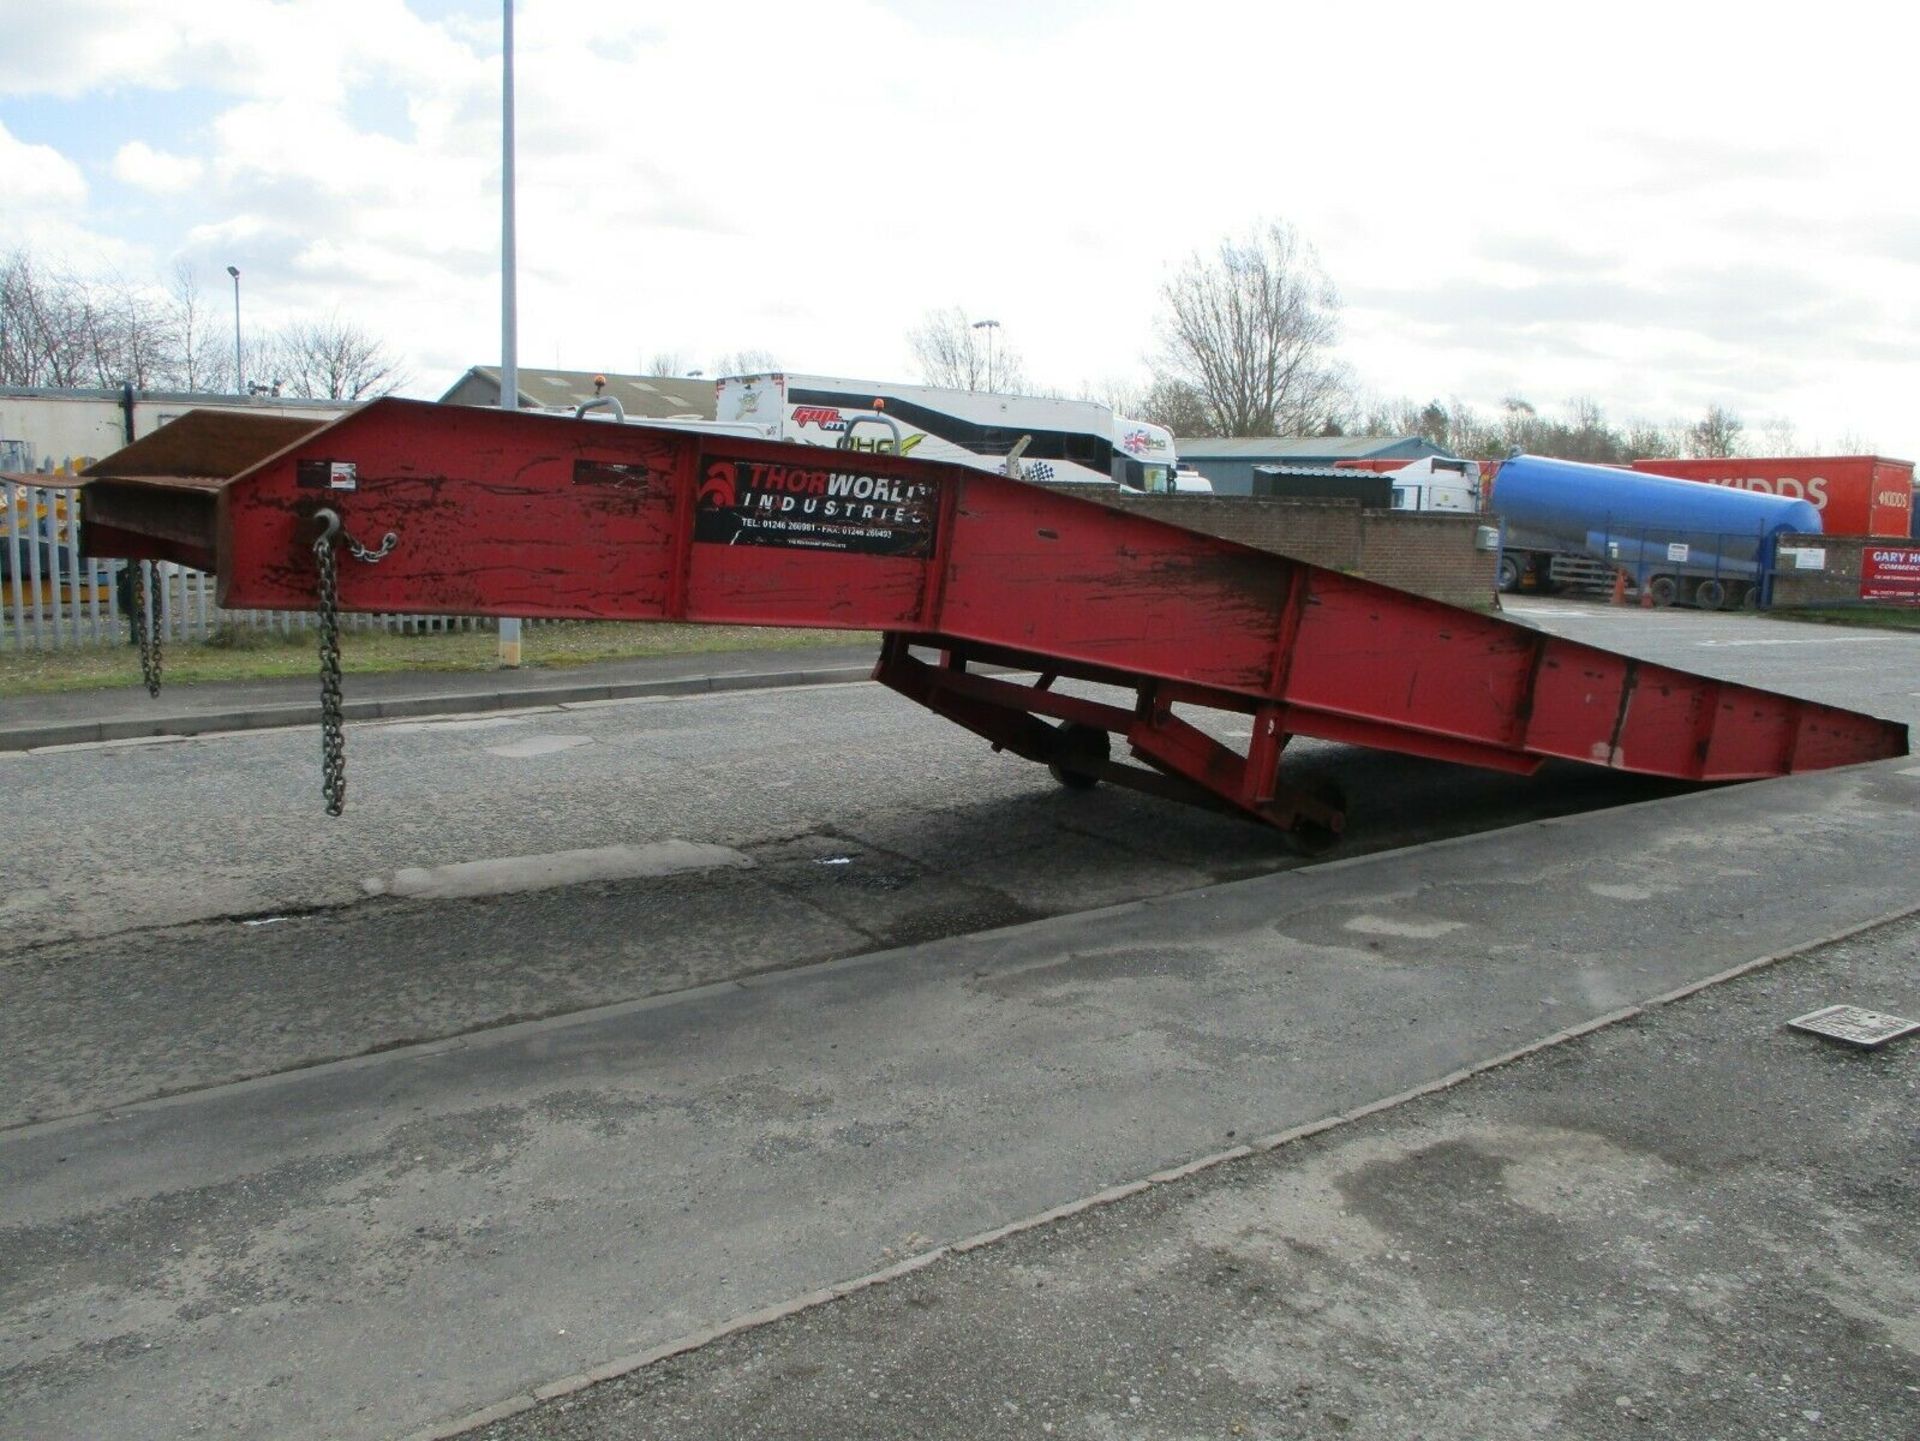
52 597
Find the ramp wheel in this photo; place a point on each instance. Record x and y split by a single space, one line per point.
1662 590
1080 754
1710 595
1310 838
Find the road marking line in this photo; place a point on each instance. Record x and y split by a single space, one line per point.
1804 640
507 875
531 746
460 723
1407 930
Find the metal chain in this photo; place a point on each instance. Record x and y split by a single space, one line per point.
146 628
362 553
333 739
333 735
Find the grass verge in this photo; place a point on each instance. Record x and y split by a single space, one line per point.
257 655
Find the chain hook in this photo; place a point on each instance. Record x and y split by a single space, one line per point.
335 529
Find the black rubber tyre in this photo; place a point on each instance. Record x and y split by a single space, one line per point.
1080 753
1750 598
1308 839
1662 590
1710 595
1509 574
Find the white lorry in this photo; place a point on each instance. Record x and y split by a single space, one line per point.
1024 436
1437 482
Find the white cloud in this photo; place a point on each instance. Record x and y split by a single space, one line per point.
315 48
140 165
38 175
46 207
1512 201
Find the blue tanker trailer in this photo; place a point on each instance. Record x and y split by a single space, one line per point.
1678 540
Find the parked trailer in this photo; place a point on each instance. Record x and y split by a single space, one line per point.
1043 439
421 507
1855 494
1675 540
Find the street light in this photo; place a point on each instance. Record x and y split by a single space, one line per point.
989 326
509 632
239 374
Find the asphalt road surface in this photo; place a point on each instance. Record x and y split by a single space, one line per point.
1696 1226
187 908
179 916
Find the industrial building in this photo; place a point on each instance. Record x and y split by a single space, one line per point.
1228 462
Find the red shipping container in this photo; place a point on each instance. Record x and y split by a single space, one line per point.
1855 494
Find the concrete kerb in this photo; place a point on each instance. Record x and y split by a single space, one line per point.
271 717
767 1315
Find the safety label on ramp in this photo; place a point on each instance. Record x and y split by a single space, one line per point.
750 502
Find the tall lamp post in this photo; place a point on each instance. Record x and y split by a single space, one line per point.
239 374
509 646
989 326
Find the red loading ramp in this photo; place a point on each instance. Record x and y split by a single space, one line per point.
517 515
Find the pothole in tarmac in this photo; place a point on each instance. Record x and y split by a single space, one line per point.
891 899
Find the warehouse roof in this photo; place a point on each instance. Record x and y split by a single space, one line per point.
1279 447
1315 472
642 397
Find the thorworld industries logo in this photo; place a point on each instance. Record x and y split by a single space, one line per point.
750 502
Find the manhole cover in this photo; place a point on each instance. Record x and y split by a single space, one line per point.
1869 1030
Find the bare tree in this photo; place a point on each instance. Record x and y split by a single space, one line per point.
189 326
961 354
1715 434
21 361
1400 417
1177 406
746 362
668 362
1647 441
1780 437
44 326
1519 424
64 331
333 359
137 342
1251 330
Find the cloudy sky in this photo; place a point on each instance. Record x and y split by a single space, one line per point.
1660 207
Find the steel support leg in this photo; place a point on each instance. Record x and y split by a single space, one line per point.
1186 764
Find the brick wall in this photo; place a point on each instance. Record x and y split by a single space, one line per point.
1837 582
1427 553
